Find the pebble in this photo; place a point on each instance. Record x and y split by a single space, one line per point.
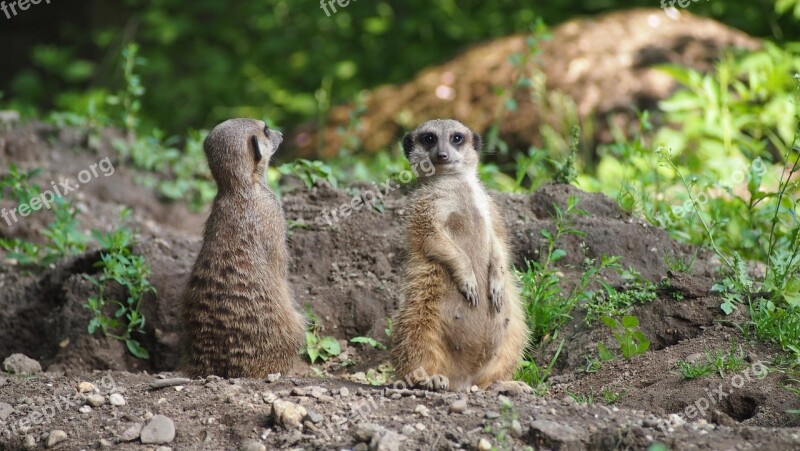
5 410
420 426
159 430
388 441
491 415
96 400
103 443
85 409
289 414
29 442
132 433
458 406
314 417
474 388
87 387
516 429
272 378
116 399
56 436
344 392
162 383
253 445
484 445
408 429
22 365
422 410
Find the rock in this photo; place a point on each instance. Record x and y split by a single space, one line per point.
344 392
159 430
55 437
363 432
516 429
87 387
314 417
163 448
22 365
172 382
5 410
388 441
116 399
696 357
85 409
131 433
253 445
458 406
484 445
421 410
29 442
272 378
491 415
103 443
550 434
408 429
288 414
95 400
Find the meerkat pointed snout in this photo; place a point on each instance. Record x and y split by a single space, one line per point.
238 315
461 322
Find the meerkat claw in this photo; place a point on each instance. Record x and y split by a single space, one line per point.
437 383
470 292
496 294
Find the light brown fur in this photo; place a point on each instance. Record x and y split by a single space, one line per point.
238 317
461 321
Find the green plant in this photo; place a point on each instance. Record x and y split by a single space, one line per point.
502 429
695 370
370 341
610 396
309 172
534 375
618 303
581 398
631 340
129 98
121 266
317 346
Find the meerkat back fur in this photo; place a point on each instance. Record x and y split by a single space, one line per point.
238 316
461 322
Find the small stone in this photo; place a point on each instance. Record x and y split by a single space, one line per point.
85 409
56 436
159 430
491 415
272 378
5 410
103 443
458 406
132 433
473 389
408 429
695 358
344 392
363 432
163 448
22 365
516 429
116 399
484 445
314 417
422 410
253 445
289 414
96 400
87 387
388 441
29 442
163 383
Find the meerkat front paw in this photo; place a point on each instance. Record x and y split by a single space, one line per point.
513 388
436 383
496 290
469 288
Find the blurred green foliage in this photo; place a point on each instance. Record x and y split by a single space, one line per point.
205 60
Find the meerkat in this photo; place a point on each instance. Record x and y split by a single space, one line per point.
238 315
461 322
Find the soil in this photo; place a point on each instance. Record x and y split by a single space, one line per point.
348 274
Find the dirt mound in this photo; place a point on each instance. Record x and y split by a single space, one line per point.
606 63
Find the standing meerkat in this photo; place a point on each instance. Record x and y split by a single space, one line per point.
238 317
461 322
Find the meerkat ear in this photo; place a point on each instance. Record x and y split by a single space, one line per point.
408 144
257 153
476 142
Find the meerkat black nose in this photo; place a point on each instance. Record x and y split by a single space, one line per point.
442 156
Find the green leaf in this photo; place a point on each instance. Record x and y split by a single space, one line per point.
630 321
136 349
558 254
368 340
331 346
605 354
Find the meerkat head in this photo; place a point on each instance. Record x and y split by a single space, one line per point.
446 143
238 151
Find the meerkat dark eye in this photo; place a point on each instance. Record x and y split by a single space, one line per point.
457 139
428 139
256 144
266 130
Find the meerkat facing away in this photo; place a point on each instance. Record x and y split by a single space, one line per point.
238 317
461 321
